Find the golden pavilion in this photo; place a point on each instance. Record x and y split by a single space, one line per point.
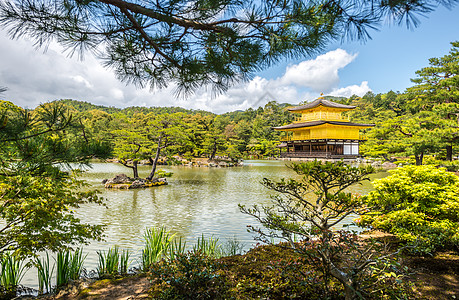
321 131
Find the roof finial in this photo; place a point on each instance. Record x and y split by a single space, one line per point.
321 96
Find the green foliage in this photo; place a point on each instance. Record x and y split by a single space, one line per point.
69 266
423 120
112 263
306 215
176 247
208 247
45 274
162 173
37 197
157 244
191 275
420 205
208 42
12 271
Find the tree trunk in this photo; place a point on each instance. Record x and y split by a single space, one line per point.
155 161
134 169
419 158
449 152
214 151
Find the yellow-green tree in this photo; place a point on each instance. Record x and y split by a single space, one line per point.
37 195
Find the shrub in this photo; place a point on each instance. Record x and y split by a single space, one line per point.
306 213
192 275
418 204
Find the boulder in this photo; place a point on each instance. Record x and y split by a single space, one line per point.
139 183
388 165
120 178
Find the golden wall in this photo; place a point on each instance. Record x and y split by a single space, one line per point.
327 131
321 113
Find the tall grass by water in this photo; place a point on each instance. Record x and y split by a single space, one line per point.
45 274
160 244
209 247
12 271
69 266
113 262
157 245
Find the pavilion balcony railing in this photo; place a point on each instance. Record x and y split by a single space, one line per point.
299 154
286 138
362 137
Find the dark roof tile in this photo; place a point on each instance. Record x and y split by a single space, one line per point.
321 101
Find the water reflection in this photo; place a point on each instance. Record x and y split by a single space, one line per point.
197 201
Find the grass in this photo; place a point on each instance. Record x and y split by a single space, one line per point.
177 246
209 247
44 274
233 247
12 271
113 262
157 244
69 266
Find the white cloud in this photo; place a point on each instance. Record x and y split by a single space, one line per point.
319 74
348 91
33 77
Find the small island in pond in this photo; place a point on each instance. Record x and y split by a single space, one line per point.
121 181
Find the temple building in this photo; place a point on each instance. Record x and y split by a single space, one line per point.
321 131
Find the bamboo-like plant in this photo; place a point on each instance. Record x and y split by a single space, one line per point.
44 274
12 271
157 244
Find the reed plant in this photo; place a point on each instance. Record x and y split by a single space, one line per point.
69 266
124 262
157 245
45 274
108 262
176 247
113 262
233 247
12 271
209 247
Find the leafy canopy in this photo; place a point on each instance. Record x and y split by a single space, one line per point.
193 43
419 204
37 197
306 214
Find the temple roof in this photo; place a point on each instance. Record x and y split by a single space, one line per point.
321 101
316 123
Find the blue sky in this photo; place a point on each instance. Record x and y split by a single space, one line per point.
391 57
386 62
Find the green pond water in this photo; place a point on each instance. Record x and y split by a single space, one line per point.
196 201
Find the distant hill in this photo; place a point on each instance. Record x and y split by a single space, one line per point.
83 106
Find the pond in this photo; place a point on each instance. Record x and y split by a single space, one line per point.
197 201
